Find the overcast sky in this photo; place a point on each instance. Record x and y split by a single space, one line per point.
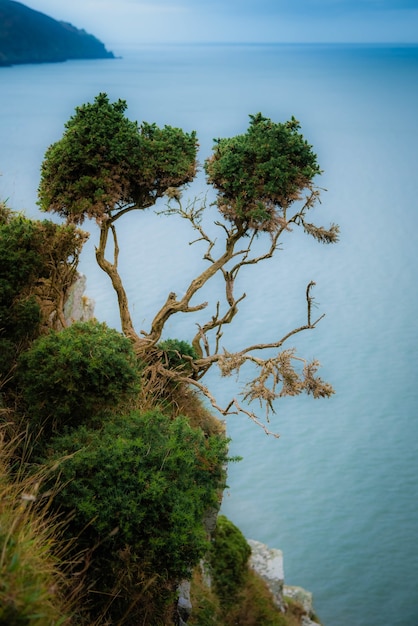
117 22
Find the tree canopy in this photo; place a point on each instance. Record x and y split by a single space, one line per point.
105 163
259 174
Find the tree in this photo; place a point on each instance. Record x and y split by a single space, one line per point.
105 166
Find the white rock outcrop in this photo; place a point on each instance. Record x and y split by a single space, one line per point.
300 595
78 307
305 599
268 563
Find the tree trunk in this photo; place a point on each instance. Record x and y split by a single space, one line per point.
111 270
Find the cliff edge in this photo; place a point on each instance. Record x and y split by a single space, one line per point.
28 36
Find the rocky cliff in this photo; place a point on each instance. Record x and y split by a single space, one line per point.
268 563
28 36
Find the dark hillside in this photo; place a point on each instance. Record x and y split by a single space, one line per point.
28 36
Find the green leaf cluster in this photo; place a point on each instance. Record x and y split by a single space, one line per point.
106 162
228 560
71 376
261 172
143 481
176 353
30 252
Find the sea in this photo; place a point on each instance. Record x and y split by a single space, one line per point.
337 492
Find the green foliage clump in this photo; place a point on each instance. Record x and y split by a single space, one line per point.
105 161
147 476
138 489
21 263
69 377
260 173
237 595
30 254
177 353
228 560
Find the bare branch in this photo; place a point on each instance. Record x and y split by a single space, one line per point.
173 306
278 375
253 417
164 373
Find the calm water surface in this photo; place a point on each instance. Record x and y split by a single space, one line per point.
338 491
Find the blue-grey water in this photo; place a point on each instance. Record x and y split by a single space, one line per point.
338 491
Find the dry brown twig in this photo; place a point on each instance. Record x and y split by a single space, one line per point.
277 375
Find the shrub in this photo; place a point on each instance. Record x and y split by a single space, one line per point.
20 265
139 486
228 560
70 376
237 595
175 353
37 261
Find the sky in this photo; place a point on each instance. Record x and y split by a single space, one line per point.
129 22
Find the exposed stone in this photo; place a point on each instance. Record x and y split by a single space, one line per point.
300 595
78 307
305 599
268 564
184 605
306 621
209 520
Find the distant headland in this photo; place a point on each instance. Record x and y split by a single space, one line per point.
28 36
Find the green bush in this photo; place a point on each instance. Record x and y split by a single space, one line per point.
228 560
20 265
70 376
139 486
174 353
33 255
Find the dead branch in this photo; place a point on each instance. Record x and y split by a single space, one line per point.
277 375
161 373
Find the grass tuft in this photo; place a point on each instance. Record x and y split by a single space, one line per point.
33 585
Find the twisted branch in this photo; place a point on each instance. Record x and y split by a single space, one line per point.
283 374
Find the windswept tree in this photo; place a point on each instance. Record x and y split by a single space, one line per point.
106 166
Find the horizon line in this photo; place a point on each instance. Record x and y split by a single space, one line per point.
272 43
